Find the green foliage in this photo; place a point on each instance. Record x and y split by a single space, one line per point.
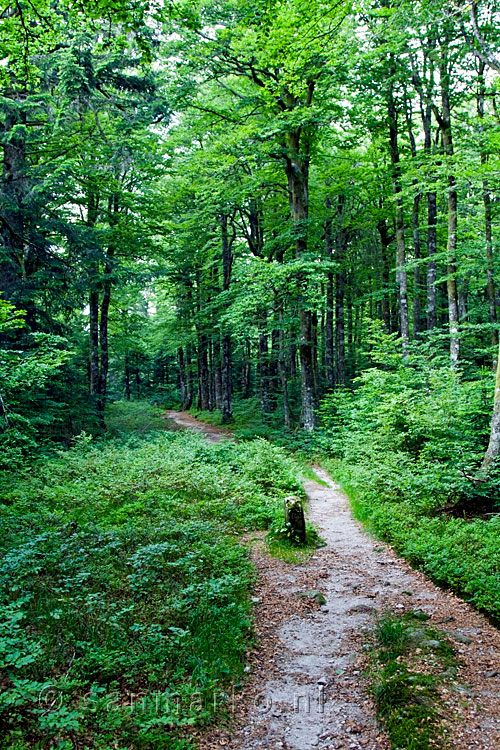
282 544
28 377
408 662
404 444
124 595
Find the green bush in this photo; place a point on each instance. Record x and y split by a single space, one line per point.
403 444
124 593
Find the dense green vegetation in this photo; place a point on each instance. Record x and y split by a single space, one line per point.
125 596
284 217
404 445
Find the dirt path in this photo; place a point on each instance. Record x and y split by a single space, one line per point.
185 420
306 688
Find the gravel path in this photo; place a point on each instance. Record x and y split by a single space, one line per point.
306 687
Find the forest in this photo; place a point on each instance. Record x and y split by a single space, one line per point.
280 218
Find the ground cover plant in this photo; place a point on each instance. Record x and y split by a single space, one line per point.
124 592
408 663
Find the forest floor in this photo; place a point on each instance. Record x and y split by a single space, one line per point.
307 685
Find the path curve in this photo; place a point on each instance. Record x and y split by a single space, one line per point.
307 689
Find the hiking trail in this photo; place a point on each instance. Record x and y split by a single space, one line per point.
306 687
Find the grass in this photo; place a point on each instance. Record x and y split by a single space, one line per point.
281 546
125 594
409 661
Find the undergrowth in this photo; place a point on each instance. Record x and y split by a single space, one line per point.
281 544
409 661
124 593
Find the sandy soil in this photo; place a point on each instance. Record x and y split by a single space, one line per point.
306 687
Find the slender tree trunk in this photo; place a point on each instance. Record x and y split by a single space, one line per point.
415 220
432 265
103 333
227 389
189 380
401 274
182 376
217 363
246 370
329 335
203 373
227 379
493 450
451 249
274 378
350 335
490 281
211 377
339 328
282 371
385 241
94 343
264 372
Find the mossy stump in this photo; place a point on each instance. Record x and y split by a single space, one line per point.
294 516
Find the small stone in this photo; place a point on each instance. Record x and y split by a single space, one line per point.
359 608
255 599
492 673
461 638
317 596
430 643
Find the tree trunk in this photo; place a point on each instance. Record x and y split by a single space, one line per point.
415 219
264 373
227 380
401 274
282 370
227 401
339 328
203 373
490 282
432 265
246 370
182 376
385 241
493 450
297 171
211 377
189 380
217 365
451 248
94 342
350 334
329 336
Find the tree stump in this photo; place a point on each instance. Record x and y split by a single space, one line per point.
294 515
